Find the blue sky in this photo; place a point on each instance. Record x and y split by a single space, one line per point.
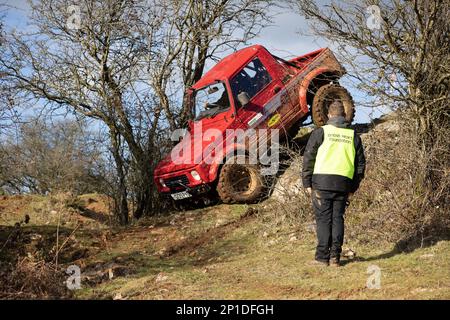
282 38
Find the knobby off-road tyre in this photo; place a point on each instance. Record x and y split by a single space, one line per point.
240 182
323 98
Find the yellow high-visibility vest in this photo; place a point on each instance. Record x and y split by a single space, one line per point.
337 153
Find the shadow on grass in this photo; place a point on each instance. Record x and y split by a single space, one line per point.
407 245
91 214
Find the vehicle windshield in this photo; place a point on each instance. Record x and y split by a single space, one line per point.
210 101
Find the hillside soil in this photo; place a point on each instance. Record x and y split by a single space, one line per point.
220 252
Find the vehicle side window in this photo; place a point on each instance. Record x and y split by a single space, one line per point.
251 79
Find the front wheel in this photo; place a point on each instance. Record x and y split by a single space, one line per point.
325 96
240 182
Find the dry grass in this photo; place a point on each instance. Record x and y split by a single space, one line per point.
28 279
219 252
393 204
245 263
234 251
34 251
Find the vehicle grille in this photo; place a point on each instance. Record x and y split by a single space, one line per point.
177 182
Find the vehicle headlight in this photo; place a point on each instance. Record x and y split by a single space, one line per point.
161 181
195 175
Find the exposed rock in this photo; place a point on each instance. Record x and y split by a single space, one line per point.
219 222
162 252
161 277
104 272
289 184
118 296
311 227
35 237
348 253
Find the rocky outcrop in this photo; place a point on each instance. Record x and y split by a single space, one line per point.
288 186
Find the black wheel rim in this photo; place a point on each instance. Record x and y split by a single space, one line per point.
240 179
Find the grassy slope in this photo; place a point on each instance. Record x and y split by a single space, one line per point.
216 253
236 261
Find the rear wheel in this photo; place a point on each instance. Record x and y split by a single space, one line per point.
323 98
240 181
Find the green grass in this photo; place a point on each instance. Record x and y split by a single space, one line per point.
213 253
243 265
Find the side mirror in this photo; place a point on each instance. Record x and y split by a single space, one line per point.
243 98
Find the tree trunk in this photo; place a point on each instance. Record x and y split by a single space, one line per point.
120 193
145 188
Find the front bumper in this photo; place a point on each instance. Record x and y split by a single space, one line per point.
183 180
194 191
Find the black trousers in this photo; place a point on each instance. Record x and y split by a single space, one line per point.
329 209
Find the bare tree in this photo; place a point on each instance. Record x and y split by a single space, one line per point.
196 31
6 101
399 53
50 157
124 63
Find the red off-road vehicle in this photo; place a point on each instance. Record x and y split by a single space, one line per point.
249 89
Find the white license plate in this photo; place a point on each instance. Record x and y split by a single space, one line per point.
181 195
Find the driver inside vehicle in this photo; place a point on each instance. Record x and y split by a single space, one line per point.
222 102
211 100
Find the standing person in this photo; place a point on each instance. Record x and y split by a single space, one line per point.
333 167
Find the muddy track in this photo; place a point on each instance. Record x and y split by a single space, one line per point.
192 243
